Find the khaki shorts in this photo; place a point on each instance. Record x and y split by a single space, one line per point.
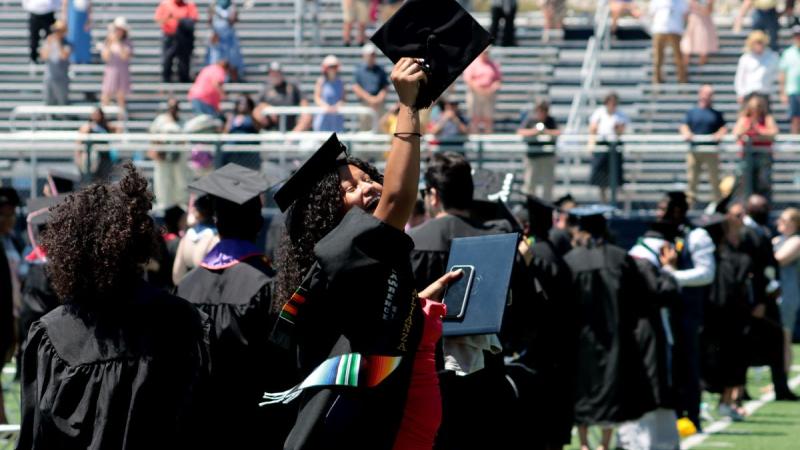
355 11
480 105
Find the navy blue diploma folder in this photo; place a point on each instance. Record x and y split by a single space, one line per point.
477 301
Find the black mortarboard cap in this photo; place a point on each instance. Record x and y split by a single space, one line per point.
9 196
439 31
233 183
319 164
677 198
723 205
540 213
62 182
667 231
485 211
591 218
39 209
713 224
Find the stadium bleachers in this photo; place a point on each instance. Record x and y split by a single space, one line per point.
531 70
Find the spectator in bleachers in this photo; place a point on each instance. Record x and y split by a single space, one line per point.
703 120
622 8
787 254
540 165
789 78
757 69
41 16
171 173
177 19
765 18
241 122
116 51
280 92
450 125
700 37
55 53
668 18
207 91
388 8
329 93
222 16
505 10
756 130
355 11
102 162
554 12
77 15
606 126
483 78
371 85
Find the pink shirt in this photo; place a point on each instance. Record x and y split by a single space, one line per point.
482 73
206 86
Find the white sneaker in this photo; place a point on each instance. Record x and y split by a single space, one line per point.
728 411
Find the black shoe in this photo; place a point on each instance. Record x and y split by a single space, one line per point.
787 396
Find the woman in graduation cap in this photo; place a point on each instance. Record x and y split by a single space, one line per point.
346 251
612 386
120 364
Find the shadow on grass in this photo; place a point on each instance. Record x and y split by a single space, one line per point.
749 433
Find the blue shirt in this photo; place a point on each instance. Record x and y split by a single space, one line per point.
704 120
371 79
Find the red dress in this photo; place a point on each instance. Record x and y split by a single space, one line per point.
423 412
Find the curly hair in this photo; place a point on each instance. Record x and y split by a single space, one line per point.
309 219
99 238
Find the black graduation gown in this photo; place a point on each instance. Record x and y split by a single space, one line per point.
38 299
474 407
130 377
562 240
653 329
545 339
612 385
727 319
360 297
244 363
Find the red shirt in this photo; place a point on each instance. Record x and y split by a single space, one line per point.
206 87
169 12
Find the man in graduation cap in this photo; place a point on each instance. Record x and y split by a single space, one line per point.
473 382
694 274
544 330
611 385
233 286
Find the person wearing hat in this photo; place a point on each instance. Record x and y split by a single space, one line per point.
329 93
177 20
116 51
757 68
561 235
134 357
233 286
55 53
78 16
789 79
278 91
41 15
611 383
344 239
370 86
694 273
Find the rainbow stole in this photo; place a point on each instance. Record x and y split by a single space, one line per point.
348 370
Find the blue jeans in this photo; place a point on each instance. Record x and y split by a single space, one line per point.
760 172
794 106
766 20
200 107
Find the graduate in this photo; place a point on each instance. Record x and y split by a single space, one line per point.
120 364
548 340
475 393
611 374
233 286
